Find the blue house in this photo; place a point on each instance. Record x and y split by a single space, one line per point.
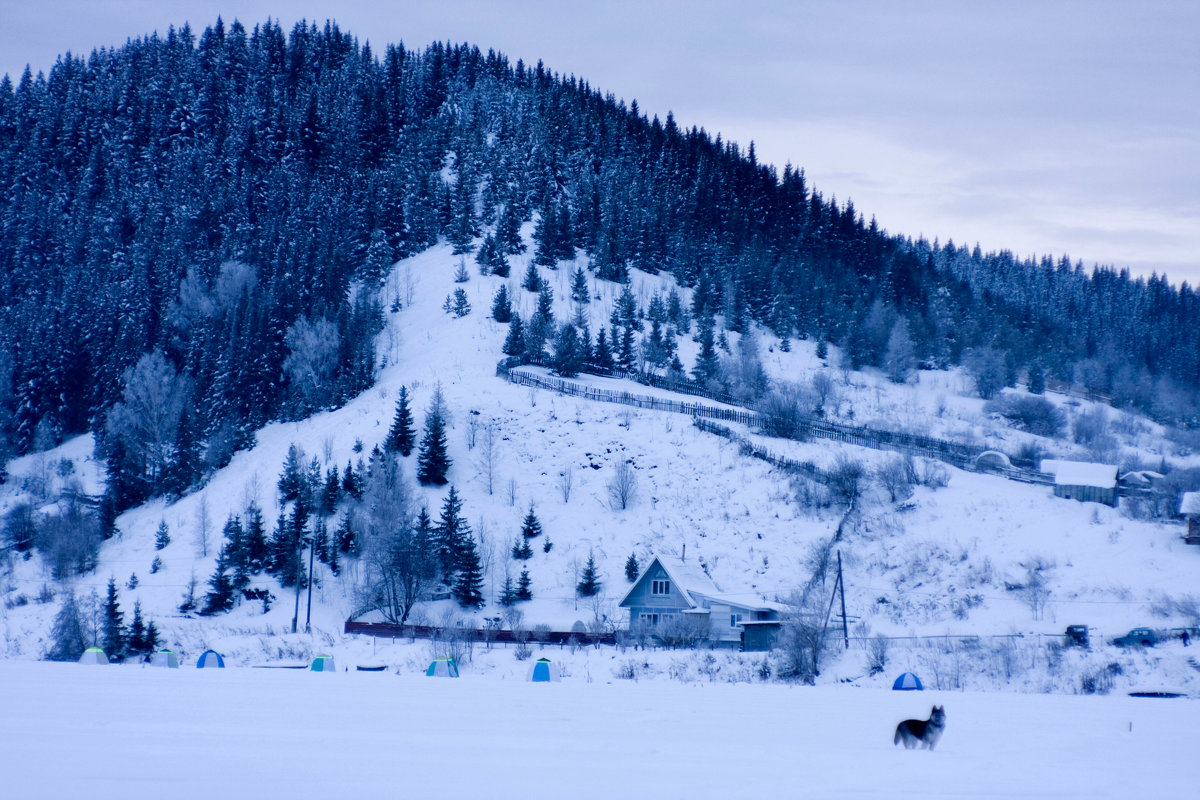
677 603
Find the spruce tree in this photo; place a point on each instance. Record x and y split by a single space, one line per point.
255 539
332 491
137 632
508 594
162 536
531 526
580 293
547 545
545 304
602 356
433 462
114 624
514 345
589 582
532 282
451 535
351 484
568 352
220 589
501 305
468 581
632 568
67 637
523 586
151 637
402 436
521 551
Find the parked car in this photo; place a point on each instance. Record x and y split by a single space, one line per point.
1138 637
1077 636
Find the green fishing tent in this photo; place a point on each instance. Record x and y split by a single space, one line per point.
165 658
93 655
323 664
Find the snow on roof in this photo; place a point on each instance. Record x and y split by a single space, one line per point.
1081 473
1190 504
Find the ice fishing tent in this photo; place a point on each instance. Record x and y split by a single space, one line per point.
544 671
908 683
210 659
165 658
93 655
442 668
323 664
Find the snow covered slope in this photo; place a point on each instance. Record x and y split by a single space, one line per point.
941 562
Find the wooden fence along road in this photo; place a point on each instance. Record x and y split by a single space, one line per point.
386 630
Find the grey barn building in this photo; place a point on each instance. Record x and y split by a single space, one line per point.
674 600
1083 481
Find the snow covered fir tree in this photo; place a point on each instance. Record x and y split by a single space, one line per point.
293 328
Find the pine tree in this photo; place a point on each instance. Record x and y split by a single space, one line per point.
589 582
433 462
468 581
155 565
332 492
347 540
133 581
114 624
162 536
547 545
523 586
531 526
708 365
189 595
501 305
545 304
514 345
402 436
632 568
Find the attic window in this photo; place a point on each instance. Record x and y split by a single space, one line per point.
660 587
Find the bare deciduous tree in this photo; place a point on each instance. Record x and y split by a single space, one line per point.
487 454
622 489
566 481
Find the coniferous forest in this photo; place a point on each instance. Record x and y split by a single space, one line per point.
194 229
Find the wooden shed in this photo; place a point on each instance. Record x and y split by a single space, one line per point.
1084 481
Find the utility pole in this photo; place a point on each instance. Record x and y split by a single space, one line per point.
308 613
299 577
842 591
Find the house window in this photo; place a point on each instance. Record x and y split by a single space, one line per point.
735 620
660 587
648 619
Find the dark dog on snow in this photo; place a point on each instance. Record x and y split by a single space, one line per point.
922 732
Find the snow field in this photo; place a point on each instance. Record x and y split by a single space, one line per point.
121 731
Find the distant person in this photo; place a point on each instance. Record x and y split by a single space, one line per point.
1185 637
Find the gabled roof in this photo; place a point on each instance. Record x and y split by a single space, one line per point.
1081 473
686 577
1190 503
693 584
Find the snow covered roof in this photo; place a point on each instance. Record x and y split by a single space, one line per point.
1081 473
1190 504
688 578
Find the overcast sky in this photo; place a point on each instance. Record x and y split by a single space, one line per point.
1034 126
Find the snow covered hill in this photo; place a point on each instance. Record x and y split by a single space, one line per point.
941 563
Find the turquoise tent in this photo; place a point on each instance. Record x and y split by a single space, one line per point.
210 659
544 671
165 658
908 683
442 668
93 655
323 664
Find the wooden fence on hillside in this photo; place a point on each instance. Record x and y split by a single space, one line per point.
960 455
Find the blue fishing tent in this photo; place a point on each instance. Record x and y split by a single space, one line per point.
210 659
908 683
442 668
544 671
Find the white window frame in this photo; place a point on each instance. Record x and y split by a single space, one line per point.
660 587
649 619
735 620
